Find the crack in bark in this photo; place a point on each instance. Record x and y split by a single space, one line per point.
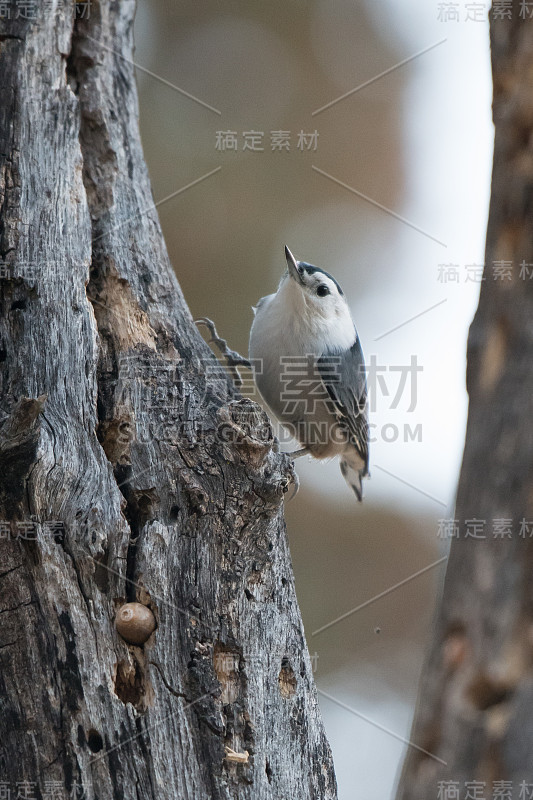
8 571
168 686
20 605
77 572
53 761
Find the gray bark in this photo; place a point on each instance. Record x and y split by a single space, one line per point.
475 709
127 471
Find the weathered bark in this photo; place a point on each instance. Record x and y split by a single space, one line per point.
127 471
475 708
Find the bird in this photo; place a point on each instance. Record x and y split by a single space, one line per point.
309 368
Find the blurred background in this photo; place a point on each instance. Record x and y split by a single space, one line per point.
388 189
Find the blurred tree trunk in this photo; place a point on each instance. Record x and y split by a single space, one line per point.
475 708
127 471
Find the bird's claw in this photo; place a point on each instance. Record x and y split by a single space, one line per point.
296 482
293 478
233 359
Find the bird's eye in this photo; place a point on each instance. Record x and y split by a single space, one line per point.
322 290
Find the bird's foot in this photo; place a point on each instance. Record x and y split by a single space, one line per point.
292 478
303 451
233 359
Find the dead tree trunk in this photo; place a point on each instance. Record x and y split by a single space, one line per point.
475 708
128 472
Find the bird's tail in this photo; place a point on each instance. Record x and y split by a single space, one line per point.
353 470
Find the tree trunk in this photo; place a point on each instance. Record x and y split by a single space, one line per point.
475 709
130 471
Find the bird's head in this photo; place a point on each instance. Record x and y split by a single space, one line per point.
314 290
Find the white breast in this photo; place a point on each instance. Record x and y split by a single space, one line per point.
285 326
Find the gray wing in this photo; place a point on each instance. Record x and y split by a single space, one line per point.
345 380
260 302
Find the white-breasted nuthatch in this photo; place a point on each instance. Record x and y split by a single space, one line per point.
309 367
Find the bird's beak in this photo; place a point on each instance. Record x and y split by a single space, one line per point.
292 266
